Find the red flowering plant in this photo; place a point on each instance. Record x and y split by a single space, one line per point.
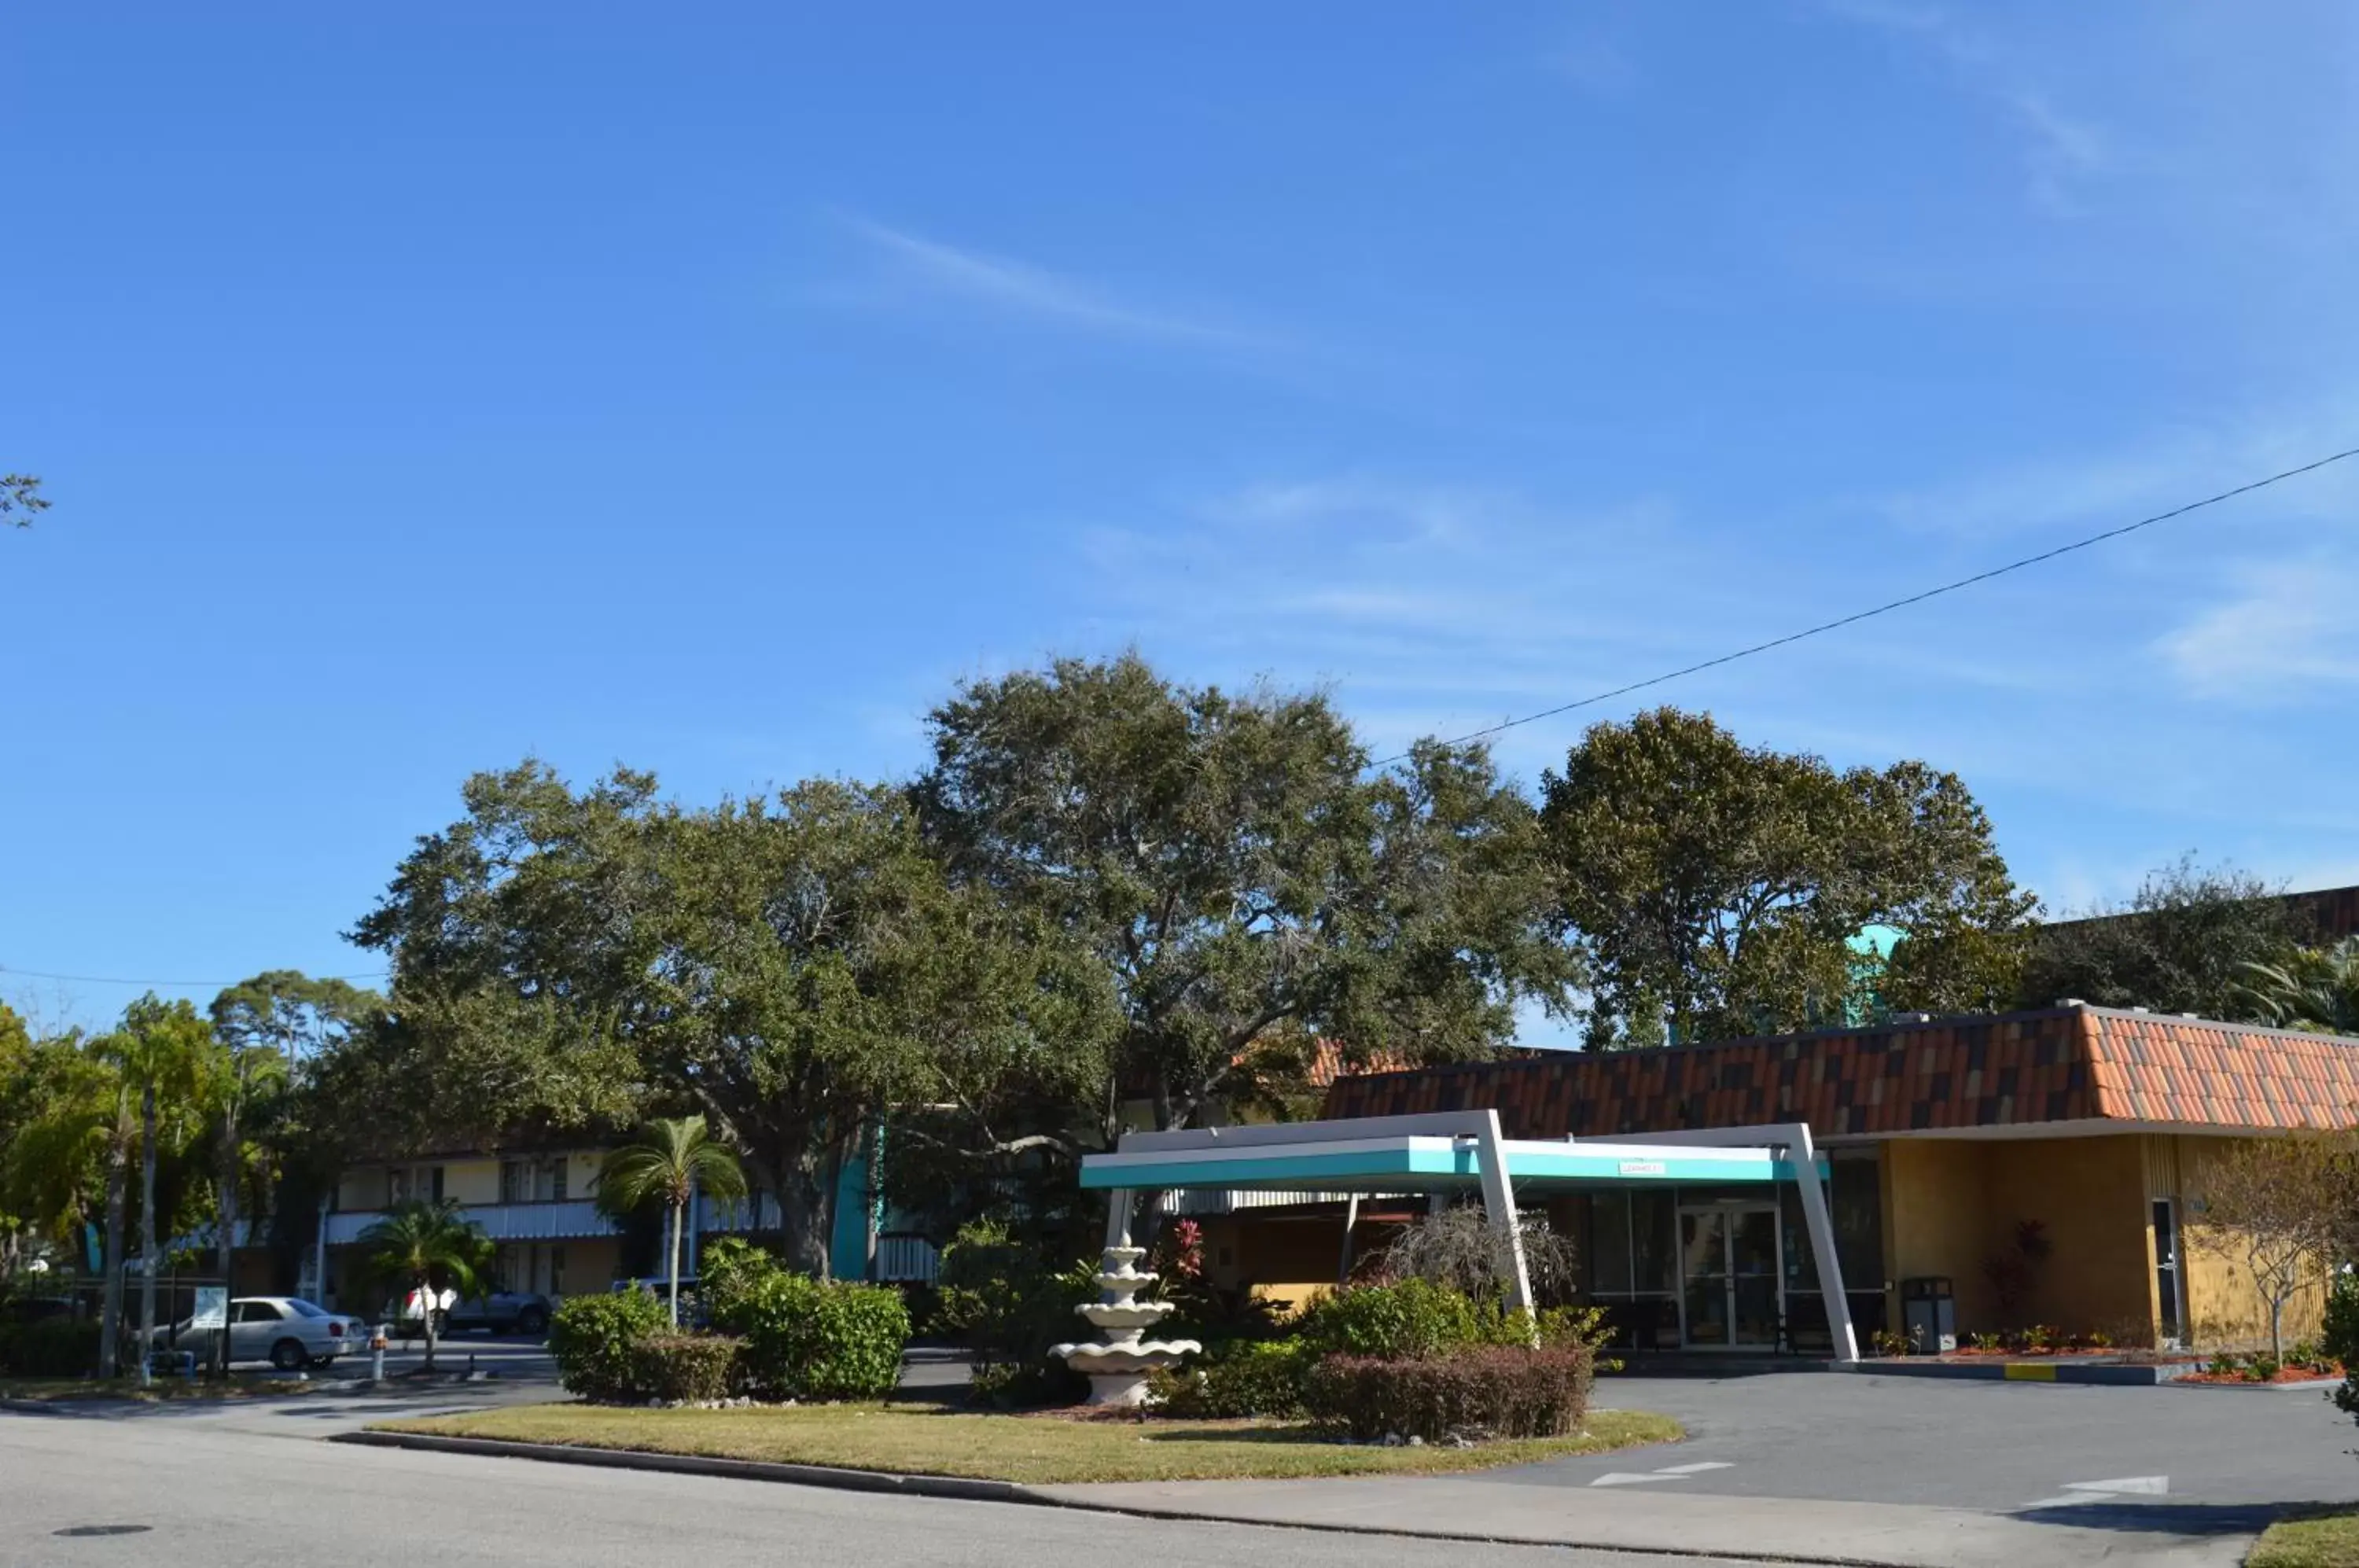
1215 1314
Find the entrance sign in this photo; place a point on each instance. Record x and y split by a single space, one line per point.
212 1307
1641 1168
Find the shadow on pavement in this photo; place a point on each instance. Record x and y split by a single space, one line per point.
2166 1518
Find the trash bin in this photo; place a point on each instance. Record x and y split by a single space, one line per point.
1929 1314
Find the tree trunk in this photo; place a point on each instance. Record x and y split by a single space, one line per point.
227 1220
2277 1330
118 1181
807 1211
147 1224
427 1300
676 1215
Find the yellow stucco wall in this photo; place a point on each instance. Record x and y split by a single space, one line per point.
470 1181
1951 1204
1937 1221
2091 1192
2225 1310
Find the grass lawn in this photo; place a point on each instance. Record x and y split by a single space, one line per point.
2329 1542
1039 1450
48 1389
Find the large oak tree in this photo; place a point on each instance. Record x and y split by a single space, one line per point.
1243 878
1718 888
792 967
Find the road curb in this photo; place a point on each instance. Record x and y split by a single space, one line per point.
958 1487
2112 1374
976 1491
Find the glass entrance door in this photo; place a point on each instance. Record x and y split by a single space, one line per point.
1730 1289
1753 1282
1703 1276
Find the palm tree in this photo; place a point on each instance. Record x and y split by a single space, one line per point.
2317 989
158 1049
429 1247
671 1160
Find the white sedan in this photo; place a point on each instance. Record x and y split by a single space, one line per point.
286 1331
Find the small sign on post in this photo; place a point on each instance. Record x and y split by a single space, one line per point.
212 1307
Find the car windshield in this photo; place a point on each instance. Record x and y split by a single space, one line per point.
305 1309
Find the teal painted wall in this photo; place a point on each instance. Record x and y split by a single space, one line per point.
858 1207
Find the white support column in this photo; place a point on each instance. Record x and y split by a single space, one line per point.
1351 1222
1499 1204
1820 1221
1118 1231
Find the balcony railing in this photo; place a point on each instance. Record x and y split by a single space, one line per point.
565 1220
905 1260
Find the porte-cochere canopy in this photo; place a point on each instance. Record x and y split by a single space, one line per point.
1462 1151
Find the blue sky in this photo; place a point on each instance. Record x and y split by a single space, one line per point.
710 389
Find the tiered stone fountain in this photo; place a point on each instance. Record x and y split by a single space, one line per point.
1118 1368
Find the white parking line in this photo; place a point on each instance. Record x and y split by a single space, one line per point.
2077 1492
1669 1472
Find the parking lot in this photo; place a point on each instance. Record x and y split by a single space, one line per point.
1989 1446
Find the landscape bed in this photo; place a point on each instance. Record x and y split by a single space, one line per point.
1035 1450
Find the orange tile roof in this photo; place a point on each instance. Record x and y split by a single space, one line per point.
2057 1064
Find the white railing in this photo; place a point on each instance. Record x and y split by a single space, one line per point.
573 1218
1192 1201
905 1260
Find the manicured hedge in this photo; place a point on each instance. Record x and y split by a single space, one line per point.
49 1347
1248 1378
595 1339
694 1368
1405 1318
1486 1391
805 1338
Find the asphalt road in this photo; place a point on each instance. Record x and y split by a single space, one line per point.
1990 1446
220 1490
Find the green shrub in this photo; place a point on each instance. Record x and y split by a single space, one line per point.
1006 1301
49 1347
696 1369
1394 1321
1248 1378
807 1339
1489 1391
594 1341
2339 1337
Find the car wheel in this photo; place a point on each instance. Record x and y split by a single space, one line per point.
289 1355
532 1320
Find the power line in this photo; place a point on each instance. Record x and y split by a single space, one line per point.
1858 616
9 972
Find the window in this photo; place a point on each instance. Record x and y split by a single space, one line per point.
305 1310
404 1183
254 1312
1609 1243
1654 1222
532 1180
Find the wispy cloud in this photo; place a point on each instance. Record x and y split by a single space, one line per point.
2060 149
1016 288
2286 633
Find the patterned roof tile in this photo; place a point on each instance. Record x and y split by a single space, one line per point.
2057 1064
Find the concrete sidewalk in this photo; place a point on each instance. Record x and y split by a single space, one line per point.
1772 1528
